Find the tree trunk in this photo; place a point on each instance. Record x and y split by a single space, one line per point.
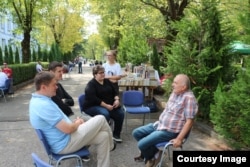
26 47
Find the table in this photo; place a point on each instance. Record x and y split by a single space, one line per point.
136 83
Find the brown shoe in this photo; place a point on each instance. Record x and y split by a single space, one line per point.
150 163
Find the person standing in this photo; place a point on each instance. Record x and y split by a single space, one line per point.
80 60
113 69
101 98
63 135
174 123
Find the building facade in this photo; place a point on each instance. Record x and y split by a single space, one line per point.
8 37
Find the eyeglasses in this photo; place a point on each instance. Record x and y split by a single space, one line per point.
100 72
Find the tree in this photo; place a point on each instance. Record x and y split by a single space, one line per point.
63 22
201 51
95 47
55 53
230 113
17 58
24 13
78 48
171 10
6 54
1 55
45 55
135 23
39 53
11 57
34 56
154 59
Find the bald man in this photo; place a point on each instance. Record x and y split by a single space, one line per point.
173 125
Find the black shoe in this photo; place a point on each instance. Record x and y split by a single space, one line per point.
85 159
114 145
117 138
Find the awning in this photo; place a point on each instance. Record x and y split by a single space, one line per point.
241 48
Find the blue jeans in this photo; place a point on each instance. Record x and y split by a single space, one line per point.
147 137
117 115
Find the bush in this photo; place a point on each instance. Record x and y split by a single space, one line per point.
230 114
24 72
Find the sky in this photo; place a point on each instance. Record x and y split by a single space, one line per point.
91 23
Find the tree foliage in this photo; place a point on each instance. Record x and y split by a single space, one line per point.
233 106
171 10
17 57
62 21
23 12
1 55
201 51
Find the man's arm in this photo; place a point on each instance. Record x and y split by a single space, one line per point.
68 99
69 128
185 130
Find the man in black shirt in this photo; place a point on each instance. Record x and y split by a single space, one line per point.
62 98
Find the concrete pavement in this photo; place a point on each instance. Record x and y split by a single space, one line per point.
18 140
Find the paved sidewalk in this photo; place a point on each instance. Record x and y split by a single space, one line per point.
18 139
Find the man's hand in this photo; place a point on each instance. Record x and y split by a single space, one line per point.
79 121
176 142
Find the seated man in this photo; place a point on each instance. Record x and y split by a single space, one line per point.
173 125
63 135
8 71
39 67
62 98
3 78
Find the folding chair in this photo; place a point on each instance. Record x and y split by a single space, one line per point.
59 157
4 90
165 147
38 162
133 104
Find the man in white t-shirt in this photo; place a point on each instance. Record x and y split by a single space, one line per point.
3 78
39 67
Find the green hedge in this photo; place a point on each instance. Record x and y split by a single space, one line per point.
24 72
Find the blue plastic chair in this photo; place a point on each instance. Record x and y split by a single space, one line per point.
165 147
4 90
81 99
133 104
38 162
59 157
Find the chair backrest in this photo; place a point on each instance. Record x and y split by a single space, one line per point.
38 162
44 141
81 99
132 98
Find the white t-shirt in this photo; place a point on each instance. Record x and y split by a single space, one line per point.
112 69
39 67
3 78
